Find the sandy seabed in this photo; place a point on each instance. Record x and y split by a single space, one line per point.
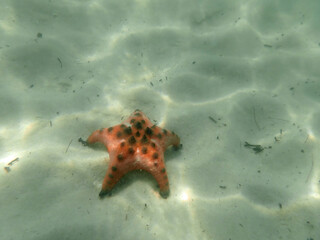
238 81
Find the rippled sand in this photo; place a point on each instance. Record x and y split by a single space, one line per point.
238 81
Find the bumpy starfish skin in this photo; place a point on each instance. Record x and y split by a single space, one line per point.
136 144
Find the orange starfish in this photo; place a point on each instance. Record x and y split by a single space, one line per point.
136 144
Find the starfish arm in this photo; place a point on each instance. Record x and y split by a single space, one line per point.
96 136
166 138
160 175
156 167
151 161
138 116
108 136
112 177
172 139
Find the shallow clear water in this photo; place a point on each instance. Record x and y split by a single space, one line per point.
238 81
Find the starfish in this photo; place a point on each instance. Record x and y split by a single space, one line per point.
136 144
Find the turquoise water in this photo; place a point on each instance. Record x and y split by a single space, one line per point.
238 81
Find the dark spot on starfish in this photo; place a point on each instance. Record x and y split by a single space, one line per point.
155 155
144 150
110 129
137 114
132 120
164 131
165 177
128 130
122 144
163 170
132 140
109 182
138 125
153 144
155 164
149 131
153 126
110 175
138 134
167 184
120 157
159 135
119 134
143 121
122 126
144 139
114 168
131 150
101 130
